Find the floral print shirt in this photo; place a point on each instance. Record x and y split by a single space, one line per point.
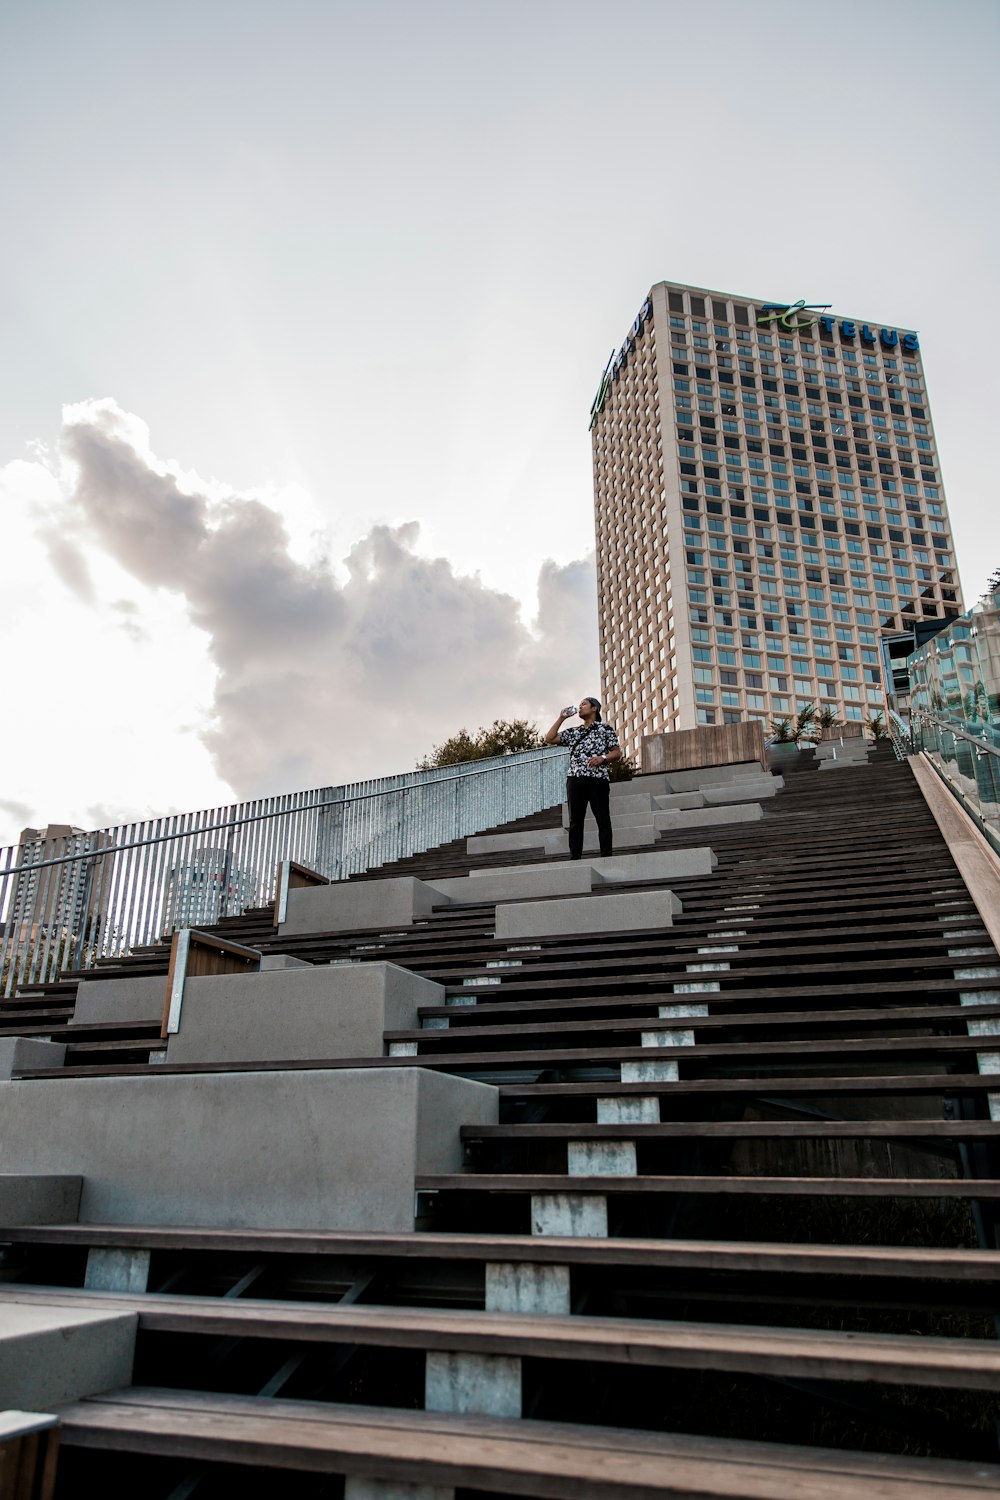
583 742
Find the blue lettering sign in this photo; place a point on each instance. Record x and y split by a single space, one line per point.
889 337
827 324
911 343
848 330
867 337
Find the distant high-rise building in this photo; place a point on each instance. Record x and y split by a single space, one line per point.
768 502
63 890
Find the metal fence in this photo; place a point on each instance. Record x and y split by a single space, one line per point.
69 898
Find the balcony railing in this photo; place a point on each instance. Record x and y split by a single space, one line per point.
66 903
969 764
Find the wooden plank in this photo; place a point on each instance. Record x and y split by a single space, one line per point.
712 745
466 1027
894 1359
740 1187
745 1130
677 1254
553 1461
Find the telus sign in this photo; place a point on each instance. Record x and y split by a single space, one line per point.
785 316
789 315
615 364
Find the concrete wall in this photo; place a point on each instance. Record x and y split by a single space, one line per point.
331 1011
358 906
315 1149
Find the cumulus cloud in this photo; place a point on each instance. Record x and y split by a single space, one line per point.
320 681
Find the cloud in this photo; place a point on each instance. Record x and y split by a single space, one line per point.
320 681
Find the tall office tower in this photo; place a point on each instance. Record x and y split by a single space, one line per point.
768 502
67 894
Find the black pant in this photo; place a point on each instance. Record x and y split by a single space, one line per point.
593 792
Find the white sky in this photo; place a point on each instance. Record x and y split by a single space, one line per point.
364 262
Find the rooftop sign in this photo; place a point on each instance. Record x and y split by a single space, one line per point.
617 360
793 315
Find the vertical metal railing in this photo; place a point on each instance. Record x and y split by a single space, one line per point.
67 902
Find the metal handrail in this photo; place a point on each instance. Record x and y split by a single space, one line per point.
96 895
40 864
962 734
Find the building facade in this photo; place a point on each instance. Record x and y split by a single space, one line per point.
768 502
66 896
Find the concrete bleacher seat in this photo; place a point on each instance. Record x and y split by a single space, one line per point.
295 1014
320 1148
595 914
654 864
51 1355
354 906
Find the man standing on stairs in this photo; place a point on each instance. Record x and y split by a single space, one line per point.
593 745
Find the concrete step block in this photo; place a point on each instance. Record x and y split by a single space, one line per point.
709 817
690 781
33 1198
51 1355
630 837
121 1000
728 796
678 801
294 1014
17 1052
325 1148
650 910
649 865
500 843
523 884
358 905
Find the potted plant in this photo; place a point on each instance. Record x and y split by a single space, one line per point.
788 734
827 723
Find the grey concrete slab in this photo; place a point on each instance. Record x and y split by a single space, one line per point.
313 1149
710 817
50 1356
123 1000
627 837
271 961
653 864
525 884
500 843
33 1198
678 800
639 786
17 1052
849 750
331 1010
689 781
358 906
652 910
635 802
728 796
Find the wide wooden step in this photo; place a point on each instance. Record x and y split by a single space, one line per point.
553 1461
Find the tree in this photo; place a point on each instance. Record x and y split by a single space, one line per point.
503 737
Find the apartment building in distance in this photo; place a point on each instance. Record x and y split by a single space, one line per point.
768 504
62 885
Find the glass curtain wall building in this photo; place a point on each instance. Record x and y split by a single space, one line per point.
768 501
